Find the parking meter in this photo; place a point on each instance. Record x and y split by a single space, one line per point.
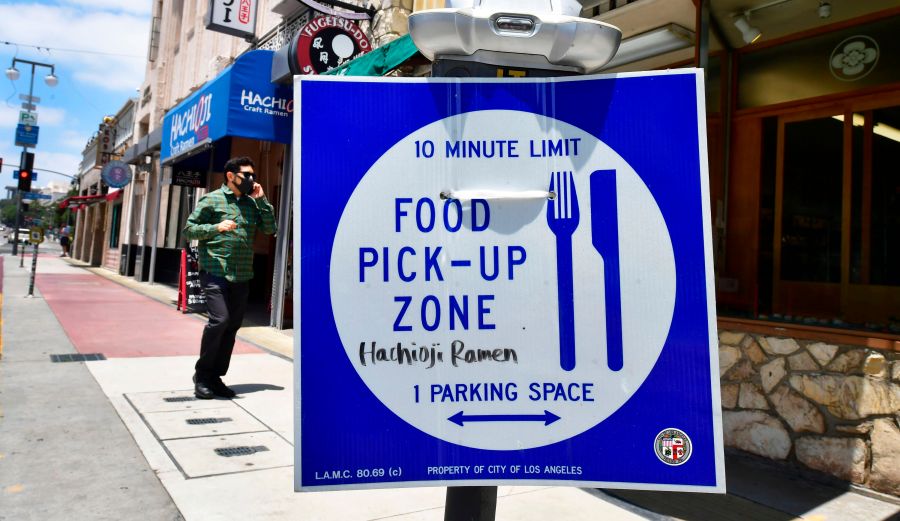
512 38
508 39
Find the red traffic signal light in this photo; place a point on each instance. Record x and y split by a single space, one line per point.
24 181
26 165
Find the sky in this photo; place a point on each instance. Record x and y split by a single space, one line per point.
90 86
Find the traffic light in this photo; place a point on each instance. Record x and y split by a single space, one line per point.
24 181
26 171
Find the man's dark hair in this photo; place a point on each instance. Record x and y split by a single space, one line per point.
235 163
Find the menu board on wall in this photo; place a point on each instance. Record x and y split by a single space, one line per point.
192 178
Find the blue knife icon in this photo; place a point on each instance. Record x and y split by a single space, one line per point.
605 238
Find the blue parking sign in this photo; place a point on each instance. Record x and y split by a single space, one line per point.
504 282
26 135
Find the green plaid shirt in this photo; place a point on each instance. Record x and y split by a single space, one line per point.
229 254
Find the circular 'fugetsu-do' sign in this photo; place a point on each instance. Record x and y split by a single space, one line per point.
325 43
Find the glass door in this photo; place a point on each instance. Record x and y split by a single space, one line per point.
872 294
809 217
836 244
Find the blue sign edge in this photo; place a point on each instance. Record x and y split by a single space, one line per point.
24 137
716 413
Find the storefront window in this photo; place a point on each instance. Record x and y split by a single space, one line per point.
768 173
875 239
811 211
836 246
825 221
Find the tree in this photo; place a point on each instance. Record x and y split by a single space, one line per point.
8 212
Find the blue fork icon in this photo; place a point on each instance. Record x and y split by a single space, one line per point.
562 218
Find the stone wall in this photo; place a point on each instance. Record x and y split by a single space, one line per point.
832 408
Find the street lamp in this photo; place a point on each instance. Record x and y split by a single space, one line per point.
51 80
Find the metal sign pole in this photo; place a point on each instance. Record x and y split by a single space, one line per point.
24 150
471 504
21 257
15 250
467 503
33 269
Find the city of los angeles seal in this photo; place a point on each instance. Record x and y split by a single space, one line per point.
673 447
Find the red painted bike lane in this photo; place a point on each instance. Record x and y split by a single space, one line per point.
100 316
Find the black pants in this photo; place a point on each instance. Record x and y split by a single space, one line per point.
225 302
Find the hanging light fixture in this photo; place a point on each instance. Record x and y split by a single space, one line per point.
749 33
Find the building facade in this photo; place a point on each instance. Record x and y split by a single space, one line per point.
803 103
97 207
184 60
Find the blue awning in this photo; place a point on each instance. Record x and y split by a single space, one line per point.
239 102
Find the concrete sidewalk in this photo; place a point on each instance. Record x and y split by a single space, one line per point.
64 452
147 393
231 459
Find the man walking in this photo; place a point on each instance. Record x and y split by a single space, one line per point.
64 240
225 222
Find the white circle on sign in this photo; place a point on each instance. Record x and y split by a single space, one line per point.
466 348
342 45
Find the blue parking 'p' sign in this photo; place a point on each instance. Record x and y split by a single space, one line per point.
504 282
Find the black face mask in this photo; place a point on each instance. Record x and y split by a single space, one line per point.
245 185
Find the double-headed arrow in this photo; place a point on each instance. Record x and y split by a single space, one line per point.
460 418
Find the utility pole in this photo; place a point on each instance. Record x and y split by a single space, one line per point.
29 105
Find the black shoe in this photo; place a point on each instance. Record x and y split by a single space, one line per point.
202 390
220 389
